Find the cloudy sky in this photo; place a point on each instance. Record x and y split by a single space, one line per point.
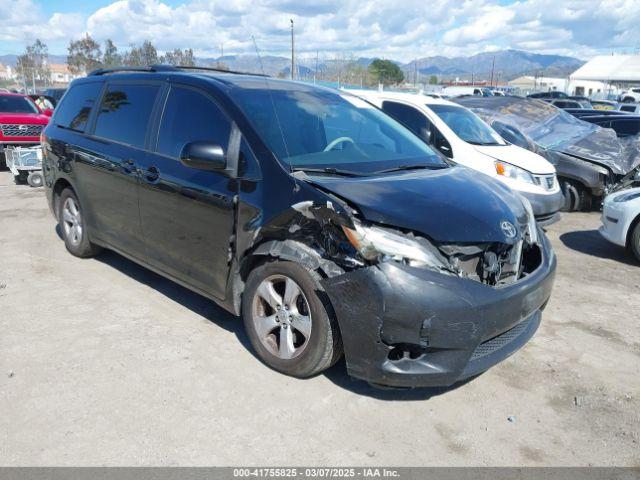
399 29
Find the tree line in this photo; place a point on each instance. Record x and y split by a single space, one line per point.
85 55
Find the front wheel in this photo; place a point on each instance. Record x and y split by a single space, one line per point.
74 226
289 320
576 197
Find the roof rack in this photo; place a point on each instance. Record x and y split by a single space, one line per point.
165 68
213 69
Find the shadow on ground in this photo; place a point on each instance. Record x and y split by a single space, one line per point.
590 242
206 308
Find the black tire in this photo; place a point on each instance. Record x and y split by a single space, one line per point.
35 179
628 100
83 248
634 241
576 197
324 345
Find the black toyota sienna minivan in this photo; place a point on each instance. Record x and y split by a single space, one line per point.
324 223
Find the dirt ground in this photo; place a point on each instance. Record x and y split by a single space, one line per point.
105 363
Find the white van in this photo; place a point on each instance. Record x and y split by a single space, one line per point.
463 137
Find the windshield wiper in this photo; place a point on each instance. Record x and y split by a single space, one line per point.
418 166
328 171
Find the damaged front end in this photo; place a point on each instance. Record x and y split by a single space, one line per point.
427 315
414 312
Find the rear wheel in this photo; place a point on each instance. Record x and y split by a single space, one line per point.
289 320
628 100
634 242
73 226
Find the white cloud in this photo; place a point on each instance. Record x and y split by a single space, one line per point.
412 28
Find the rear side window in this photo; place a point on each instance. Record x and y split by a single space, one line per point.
190 116
627 108
410 117
125 112
74 111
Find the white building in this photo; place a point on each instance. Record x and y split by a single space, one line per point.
612 71
60 73
6 72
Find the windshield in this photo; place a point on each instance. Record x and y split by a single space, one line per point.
314 128
15 104
467 125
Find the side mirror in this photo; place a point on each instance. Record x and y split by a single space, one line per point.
203 156
48 112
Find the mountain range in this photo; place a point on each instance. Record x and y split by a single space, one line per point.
509 64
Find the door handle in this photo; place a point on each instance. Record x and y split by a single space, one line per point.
151 174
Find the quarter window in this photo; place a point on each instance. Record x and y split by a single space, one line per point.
125 112
74 111
190 116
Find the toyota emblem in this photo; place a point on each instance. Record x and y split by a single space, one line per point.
508 229
23 128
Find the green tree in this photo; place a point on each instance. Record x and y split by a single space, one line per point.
433 80
179 57
141 56
385 72
33 66
84 55
111 57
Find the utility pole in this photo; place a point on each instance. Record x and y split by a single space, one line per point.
315 72
415 72
493 66
293 63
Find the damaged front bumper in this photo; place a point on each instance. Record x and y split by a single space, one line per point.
404 326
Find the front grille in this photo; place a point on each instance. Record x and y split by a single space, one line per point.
496 343
20 130
548 182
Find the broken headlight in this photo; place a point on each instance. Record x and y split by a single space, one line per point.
375 242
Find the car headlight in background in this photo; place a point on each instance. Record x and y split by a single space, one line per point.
627 197
505 169
373 242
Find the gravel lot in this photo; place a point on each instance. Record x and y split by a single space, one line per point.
105 363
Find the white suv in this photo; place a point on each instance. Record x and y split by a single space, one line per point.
630 96
463 137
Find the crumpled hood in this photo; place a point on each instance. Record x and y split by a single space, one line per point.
603 147
452 205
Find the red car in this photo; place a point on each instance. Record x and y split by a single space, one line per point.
21 121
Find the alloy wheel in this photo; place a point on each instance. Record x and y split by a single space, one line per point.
72 221
281 316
